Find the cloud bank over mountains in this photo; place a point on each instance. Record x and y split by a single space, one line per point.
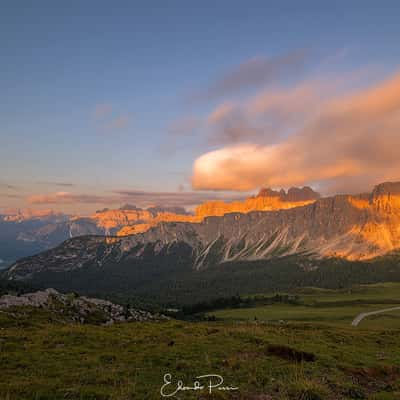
307 134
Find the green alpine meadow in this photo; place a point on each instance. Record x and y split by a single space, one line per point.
297 346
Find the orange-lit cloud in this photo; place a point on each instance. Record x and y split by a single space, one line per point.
353 137
221 113
270 114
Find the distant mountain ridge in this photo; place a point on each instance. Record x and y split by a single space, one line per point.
13 225
22 215
26 232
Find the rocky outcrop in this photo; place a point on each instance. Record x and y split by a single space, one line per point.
155 210
294 194
301 194
77 308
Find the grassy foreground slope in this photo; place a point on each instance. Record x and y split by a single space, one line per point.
43 357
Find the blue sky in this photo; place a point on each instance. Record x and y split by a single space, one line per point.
91 91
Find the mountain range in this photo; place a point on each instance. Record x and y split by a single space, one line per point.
26 232
354 230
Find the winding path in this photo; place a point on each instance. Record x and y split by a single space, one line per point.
361 316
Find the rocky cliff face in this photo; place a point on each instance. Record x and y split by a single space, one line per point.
113 220
267 199
155 220
351 227
386 198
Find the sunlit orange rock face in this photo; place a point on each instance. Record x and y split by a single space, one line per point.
153 221
266 200
381 230
350 226
133 229
109 219
386 198
354 227
124 222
